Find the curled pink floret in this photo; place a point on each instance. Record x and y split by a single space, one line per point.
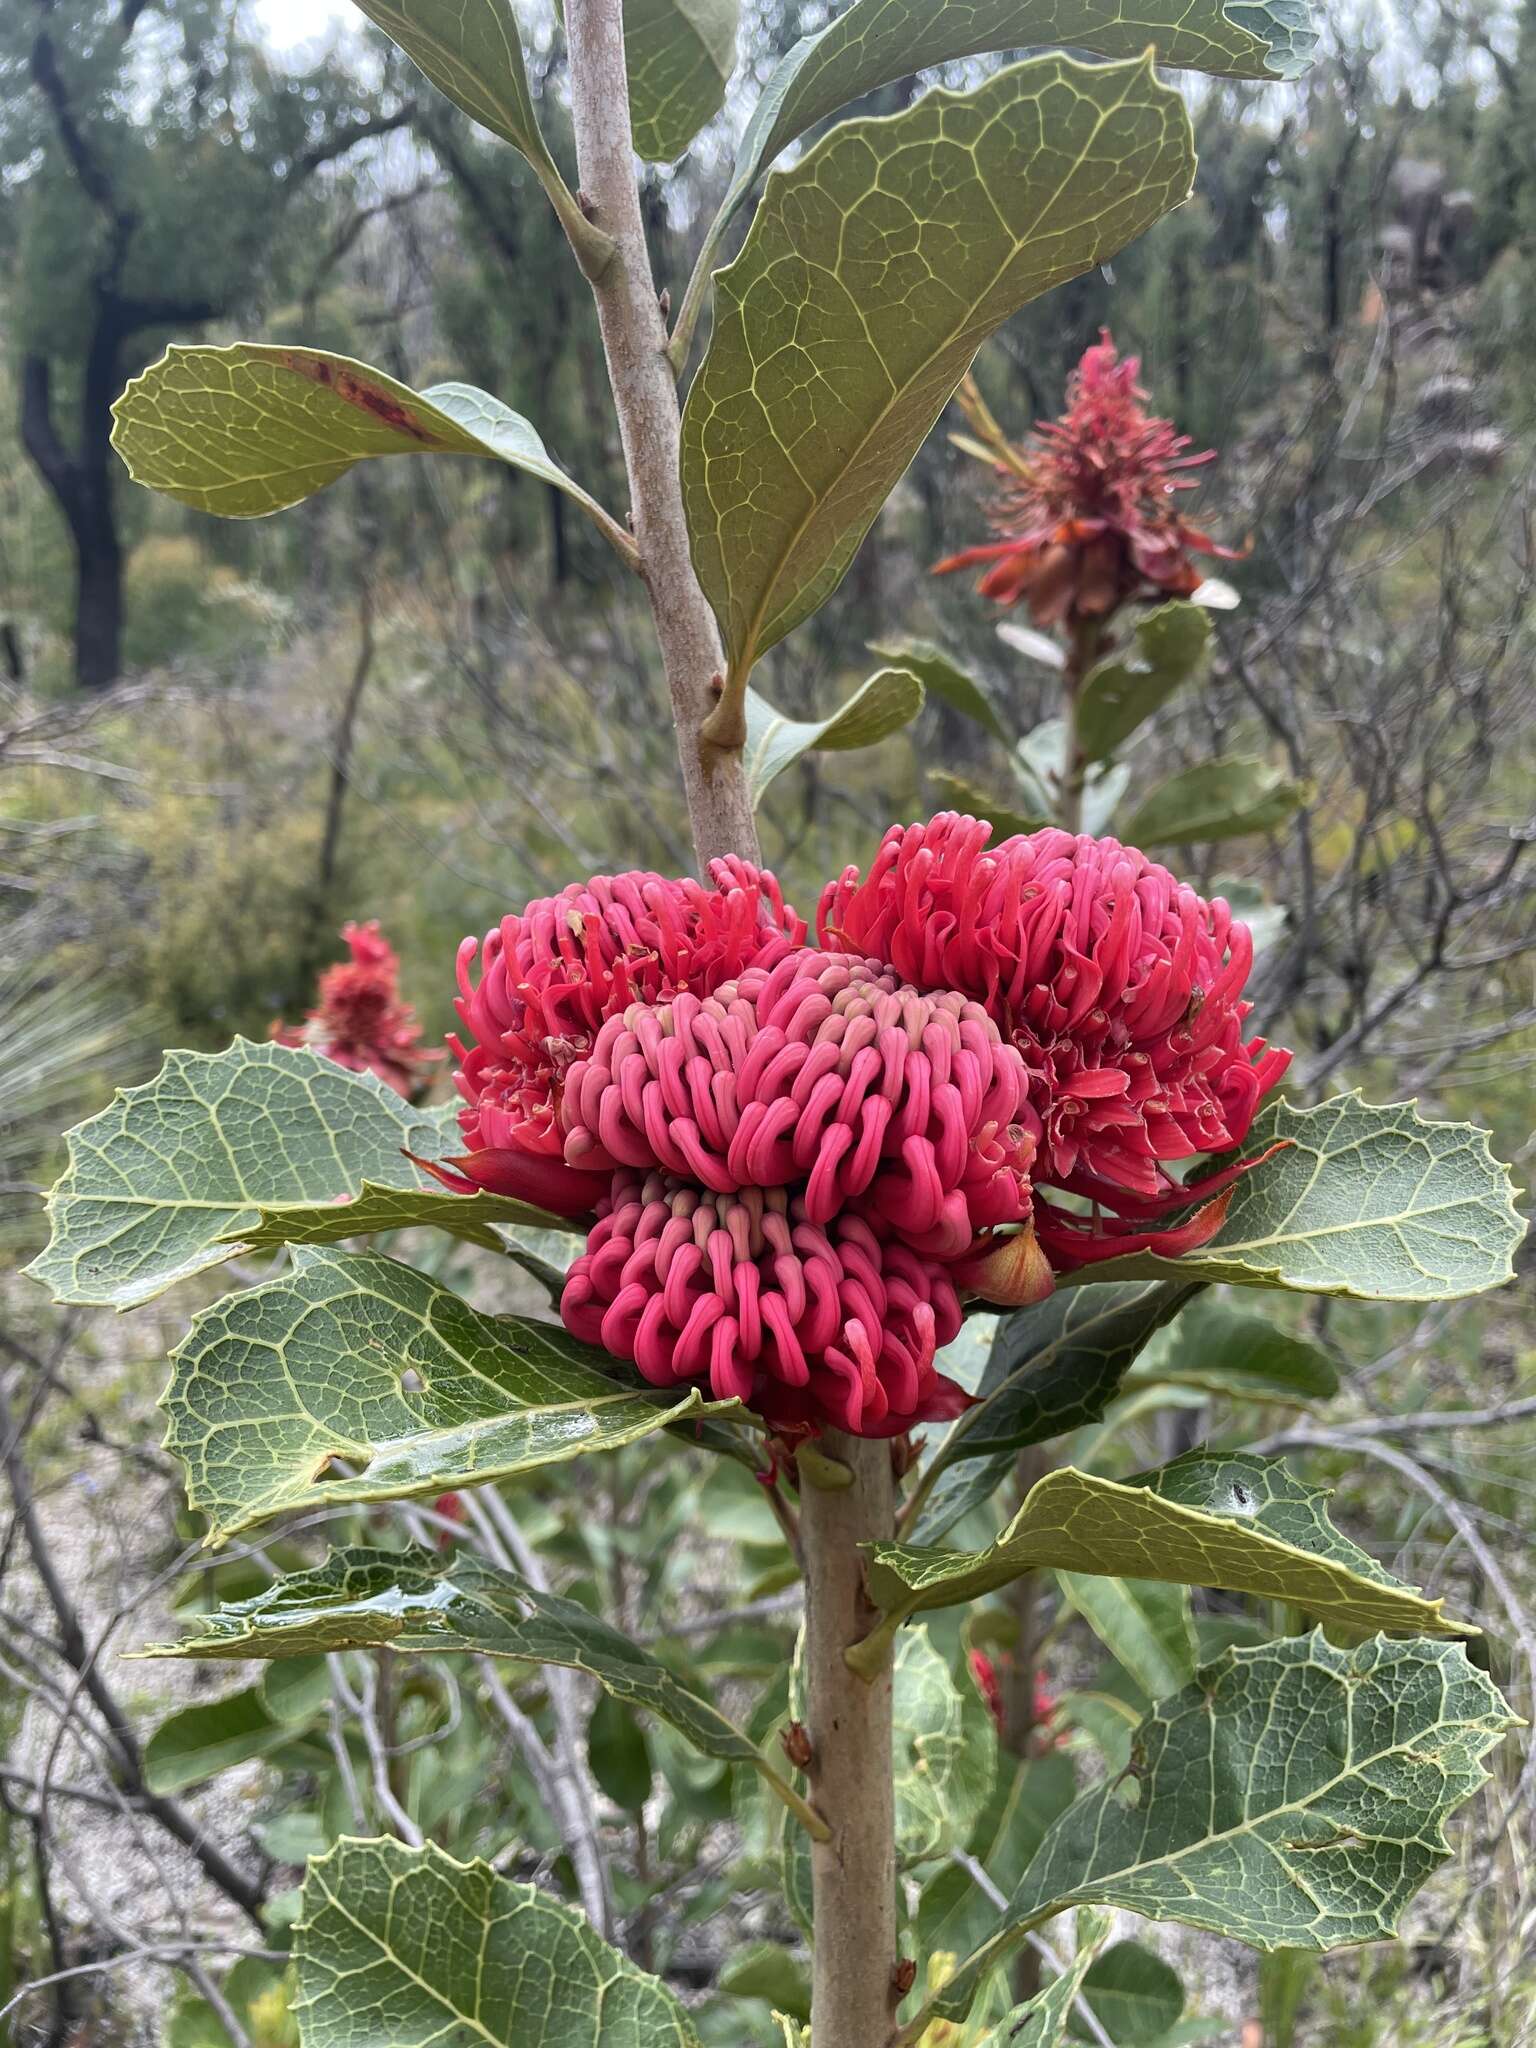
1120 986
824 1073
551 974
741 1290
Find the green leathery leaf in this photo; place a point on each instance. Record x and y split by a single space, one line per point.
767 1970
953 1913
407 1948
352 1359
1222 1349
1107 1721
254 427
374 1208
1145 1624
963 796
472 52
871 274
944 678
946 1752
296 1689
874 42
1041 2022
680 55
619 1754
1224 799
1133 1994
160 1184
1294 1796
1364 1199
197 1742
1231 1520
881 705
1052 1367
414 1600
1117 694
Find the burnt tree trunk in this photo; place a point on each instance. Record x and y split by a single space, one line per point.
80 480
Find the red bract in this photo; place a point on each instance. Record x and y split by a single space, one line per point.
1086 512
809 1324
549 977
821 1073
1121 988
360 1021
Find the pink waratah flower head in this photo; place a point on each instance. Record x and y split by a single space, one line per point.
824 1074
1087 515
360 1021
1120 987
810 1323
550 976
798 1163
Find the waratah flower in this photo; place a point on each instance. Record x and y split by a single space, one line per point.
824 1074
360 1021
1086 515
549 977
1120 987
989 1685
809 1323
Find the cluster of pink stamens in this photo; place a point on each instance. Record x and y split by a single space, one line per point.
809 1322
820 1072
1120 986
797 1158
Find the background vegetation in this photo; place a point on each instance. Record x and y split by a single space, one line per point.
429 694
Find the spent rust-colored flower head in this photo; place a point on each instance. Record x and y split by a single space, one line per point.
809 1323
1121 988
551 974
1086 513
359 1019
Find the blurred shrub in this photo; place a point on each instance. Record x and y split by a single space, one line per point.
183 608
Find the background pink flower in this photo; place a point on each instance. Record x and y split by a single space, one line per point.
359 1019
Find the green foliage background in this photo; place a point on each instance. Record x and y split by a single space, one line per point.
161 864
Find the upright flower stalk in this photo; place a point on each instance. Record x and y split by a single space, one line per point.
849 1722
798 1161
